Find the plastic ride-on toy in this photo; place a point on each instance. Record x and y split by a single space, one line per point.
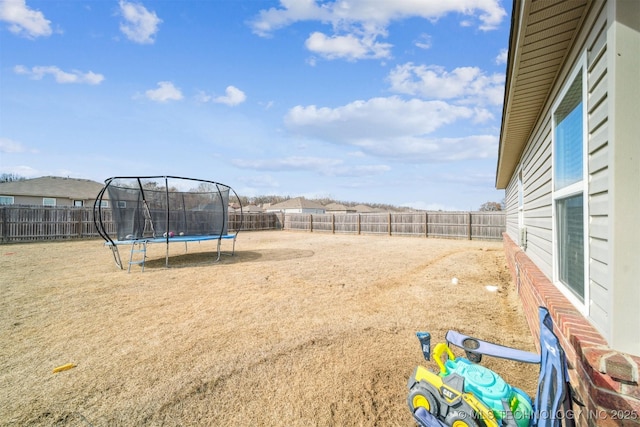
466 394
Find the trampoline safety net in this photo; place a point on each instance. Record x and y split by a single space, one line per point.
149 207
152 209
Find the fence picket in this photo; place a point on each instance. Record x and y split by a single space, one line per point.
31 223
452 225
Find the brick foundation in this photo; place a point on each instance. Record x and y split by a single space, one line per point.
605 380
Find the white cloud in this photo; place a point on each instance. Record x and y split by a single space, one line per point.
377 117
348 47
293 10
140 25
233 96
502 56
75 76
357 24
430 150
288 163
434 82
423 42
166 91
23 20
202 97
23 171
260 181
343 14
393 128
9 146
322 165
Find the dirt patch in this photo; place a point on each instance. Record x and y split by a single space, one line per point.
295 329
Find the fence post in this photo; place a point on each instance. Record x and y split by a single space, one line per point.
358 224
389 223
79 222
3 218
311 222
333 223
426 224
469 225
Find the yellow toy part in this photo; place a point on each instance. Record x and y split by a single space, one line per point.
64 367
449 395
438 351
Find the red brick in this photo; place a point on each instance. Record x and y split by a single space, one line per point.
592 356
615 401
621 368
585 347
631 391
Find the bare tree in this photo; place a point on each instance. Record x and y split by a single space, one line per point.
491 207
10 177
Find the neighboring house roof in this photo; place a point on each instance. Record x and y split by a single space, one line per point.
53 186
337 207
541 38
252 209
364 209
297 203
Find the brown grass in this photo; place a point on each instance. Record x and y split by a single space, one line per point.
295 329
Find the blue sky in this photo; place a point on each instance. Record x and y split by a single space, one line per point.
369 101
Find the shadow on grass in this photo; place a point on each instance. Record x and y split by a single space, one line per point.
203 259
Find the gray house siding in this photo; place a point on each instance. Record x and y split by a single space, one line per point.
598 172
536 168
38 201
536 185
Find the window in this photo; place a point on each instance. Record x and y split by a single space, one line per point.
78 203
570 223
48 201
569 190
122 204
6 200
104 203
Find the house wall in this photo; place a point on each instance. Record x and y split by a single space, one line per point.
536 168
605 380
603 347
624 179
37 201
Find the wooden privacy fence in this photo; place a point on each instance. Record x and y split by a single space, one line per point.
453 225
34 223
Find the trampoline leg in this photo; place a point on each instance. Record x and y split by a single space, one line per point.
141 249
116 255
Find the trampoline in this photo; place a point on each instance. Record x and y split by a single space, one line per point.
163 209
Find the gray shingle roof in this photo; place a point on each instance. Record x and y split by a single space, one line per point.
297 203
52 186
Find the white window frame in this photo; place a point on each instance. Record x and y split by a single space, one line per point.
78 203
10 199
580 187
122 204
49 201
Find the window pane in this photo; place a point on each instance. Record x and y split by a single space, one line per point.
568 137
571 243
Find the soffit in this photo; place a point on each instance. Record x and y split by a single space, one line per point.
542 33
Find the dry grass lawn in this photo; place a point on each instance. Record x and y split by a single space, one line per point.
296 329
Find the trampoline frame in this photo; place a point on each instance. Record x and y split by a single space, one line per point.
166 238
